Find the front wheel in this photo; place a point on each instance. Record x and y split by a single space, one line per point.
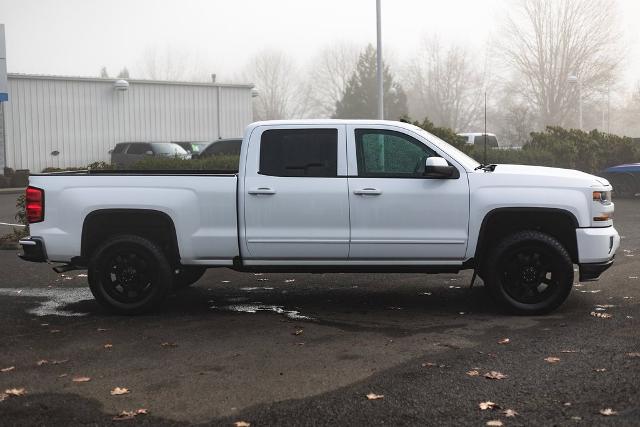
129 274
529 272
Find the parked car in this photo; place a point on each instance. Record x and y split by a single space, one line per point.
229 146
127 153
327 196
193 147
478 138
624 178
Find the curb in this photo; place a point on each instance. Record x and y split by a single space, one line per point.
11 190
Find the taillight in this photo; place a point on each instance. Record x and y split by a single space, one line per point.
34 204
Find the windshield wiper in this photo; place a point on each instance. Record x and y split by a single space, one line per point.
486 168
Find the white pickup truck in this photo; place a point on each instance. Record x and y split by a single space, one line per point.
327 196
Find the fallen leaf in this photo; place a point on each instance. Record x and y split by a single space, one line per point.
62 375
504 341
54 331
473 373
429 365
600 369
574 418
15 392
289 280
241 424
495 375
568 351
59 362
373 396
634 354
127 415
107 346
102 330
42 362
80 379
601 315
169 344
486 405
509 413
297 332
10 368
608 412
119 390
552 359
3 396
494 423
604 305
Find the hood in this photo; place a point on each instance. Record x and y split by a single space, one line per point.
548 176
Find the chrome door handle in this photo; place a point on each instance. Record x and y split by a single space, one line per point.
368 192
262 190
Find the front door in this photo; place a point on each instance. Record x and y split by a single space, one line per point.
397 213
296 202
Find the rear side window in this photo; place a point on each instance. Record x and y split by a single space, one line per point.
299 152
139 148
119 148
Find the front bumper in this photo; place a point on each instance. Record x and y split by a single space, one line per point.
596 249
592 271
33 249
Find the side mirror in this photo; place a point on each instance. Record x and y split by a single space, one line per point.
437 167
148 153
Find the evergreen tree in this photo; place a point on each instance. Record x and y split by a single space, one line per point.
360 99
123 74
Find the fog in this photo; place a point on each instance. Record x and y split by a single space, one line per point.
190 40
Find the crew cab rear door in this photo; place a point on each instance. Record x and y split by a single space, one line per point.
396 213
296 202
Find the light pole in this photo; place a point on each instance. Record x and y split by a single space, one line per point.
573 79
379 73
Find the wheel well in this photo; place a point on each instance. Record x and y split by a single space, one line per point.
501 222
150 224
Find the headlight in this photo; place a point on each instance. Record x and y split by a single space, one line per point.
603 197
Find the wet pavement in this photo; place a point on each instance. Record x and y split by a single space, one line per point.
306 349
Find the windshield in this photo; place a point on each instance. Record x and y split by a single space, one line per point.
168 149
466 161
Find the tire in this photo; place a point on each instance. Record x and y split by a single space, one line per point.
187 275
129 274
529 273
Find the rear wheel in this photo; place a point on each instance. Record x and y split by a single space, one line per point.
187 275
529 272
129 274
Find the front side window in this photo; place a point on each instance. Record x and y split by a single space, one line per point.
299 152
139 148
386 153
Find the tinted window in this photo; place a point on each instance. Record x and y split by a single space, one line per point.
224 147
383 153
119 148
492 141
139 148
299 152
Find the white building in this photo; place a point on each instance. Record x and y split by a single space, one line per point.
51 121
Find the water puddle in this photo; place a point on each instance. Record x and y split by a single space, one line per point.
256 307
54 299
257 288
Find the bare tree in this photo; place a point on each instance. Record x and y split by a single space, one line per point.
628 114
329 75
172 63
546 41
281 93
446 85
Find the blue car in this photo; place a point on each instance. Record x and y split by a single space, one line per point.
625 179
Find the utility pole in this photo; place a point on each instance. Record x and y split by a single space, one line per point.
379 71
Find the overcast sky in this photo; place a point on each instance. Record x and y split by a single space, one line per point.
78 37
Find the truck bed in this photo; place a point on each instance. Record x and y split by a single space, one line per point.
200 204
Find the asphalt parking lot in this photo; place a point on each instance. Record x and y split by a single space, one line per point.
303 349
